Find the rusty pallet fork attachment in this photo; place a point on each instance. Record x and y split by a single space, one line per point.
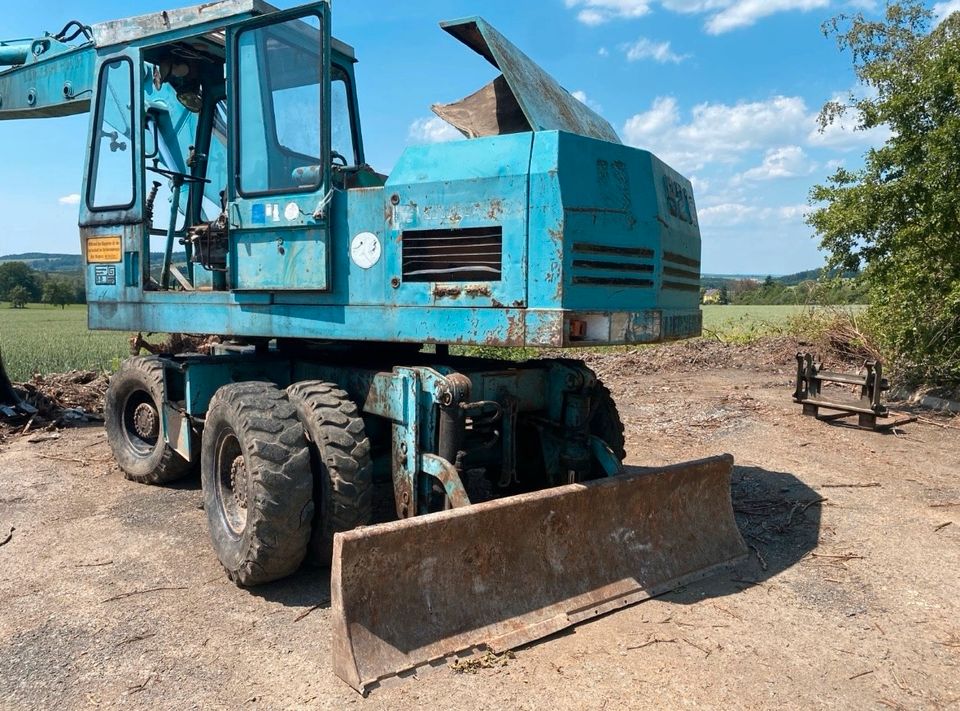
494 576
10 403
868 409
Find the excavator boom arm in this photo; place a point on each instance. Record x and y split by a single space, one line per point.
47 76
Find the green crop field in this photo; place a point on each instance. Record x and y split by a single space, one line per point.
47 339
743 323
719 317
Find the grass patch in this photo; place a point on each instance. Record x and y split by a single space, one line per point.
744 324
47 339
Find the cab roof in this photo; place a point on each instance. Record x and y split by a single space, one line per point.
208 19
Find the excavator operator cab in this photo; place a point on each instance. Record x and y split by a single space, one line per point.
219 148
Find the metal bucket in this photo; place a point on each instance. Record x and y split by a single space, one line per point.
501 574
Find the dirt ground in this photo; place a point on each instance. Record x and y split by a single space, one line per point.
111 597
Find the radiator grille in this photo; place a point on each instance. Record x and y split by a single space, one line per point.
611 265
471 254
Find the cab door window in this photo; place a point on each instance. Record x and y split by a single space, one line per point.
280 100
110 185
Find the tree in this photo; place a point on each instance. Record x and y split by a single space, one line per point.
13 274
900 214
57 293
18 297
724 295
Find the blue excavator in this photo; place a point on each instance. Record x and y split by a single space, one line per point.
462 503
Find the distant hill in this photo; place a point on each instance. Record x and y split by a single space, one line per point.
69 263
715 281
43 262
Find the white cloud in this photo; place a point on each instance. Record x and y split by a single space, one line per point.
72 199
725 215
842 134
942 10
603 52
433 130
724 15
734 214
582 97
723 133
660 52
783 162
744 13
596 12
717 132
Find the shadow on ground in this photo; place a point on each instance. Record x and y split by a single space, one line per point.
779 518
308 589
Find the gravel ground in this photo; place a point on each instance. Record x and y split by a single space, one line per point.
111 597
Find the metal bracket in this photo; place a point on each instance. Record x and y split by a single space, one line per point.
446 474
868 409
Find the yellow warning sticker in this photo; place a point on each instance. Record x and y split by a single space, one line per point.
106 249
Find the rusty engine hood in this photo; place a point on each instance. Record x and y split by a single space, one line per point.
523 98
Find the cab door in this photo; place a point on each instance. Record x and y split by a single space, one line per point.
278 69
113 238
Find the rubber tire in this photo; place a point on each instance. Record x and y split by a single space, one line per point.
605 421
162 465
279 512
342 467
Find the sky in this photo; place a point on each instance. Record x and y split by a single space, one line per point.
725 91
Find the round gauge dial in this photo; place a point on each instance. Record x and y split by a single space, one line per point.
365 250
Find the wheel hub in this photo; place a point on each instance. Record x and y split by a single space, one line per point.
238 481
146 422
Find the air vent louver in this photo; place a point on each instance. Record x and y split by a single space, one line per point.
471 254
612 265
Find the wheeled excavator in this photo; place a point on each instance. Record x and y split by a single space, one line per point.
462 503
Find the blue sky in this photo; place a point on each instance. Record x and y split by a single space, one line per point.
726 91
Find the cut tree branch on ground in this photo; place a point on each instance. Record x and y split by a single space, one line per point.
307 612
842 558
763 563
138 638
705 651
8 537
140 687
141 592
870 485
941 425
652 641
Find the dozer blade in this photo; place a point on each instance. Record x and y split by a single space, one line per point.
501 574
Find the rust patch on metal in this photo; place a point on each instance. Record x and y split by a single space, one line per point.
446 291
455 291
516 329
477 290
